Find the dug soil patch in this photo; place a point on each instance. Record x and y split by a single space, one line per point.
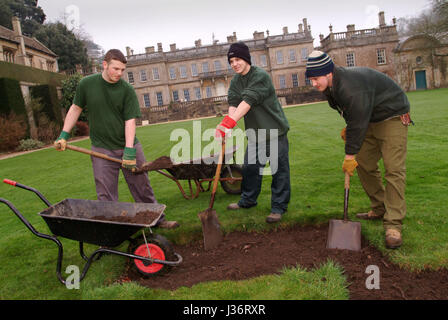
244 255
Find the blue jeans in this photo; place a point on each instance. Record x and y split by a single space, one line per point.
252 174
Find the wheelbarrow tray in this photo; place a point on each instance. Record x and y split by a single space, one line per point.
202 168
75 219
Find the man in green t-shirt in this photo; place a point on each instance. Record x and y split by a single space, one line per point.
112 108
252 96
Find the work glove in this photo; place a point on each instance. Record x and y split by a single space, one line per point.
129 161
343 134
224 129
349 166
61 143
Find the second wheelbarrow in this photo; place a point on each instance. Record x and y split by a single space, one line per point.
203 170
106 224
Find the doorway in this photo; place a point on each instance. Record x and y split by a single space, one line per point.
420 80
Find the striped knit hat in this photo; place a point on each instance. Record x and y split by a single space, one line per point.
319 64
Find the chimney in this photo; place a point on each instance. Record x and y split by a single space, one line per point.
305 24
351 27
16 26
321 37
382 19
159 47
149 50
21 56
232 38
258 35
300 27
128 51
173 47
285 31
198 43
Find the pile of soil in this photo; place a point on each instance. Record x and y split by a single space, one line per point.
158 164
142 217
244 255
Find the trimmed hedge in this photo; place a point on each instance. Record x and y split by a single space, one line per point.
11 99
49 99
29 74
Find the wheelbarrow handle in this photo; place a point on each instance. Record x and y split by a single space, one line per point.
16 184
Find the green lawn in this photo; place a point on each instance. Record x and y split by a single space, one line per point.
27 263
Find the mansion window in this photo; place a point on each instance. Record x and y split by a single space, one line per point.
381 56
183 71
143 77
8 56
304 54
205 67
172 73
279 56
131 77
208 91
292 55
155 73
146 100
197 92
350 59
176 95
187 94
159 99
263 61
50 65
194 70
295 80
252 59
218 67
282 81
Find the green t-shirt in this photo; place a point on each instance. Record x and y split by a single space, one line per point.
256 89
108 106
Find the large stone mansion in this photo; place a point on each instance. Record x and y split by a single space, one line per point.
163 78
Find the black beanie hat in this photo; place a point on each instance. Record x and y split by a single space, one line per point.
239 50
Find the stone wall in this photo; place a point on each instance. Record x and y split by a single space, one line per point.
219 106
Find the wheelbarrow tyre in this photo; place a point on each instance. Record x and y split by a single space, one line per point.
160 248
229 186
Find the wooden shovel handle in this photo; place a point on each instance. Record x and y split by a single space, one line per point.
93 153
218 173
347 181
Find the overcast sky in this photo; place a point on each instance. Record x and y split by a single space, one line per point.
143 23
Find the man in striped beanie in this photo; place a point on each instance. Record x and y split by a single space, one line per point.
376 111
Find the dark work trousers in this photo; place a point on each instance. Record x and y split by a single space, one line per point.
106 175
253 174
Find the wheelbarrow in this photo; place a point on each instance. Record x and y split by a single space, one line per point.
203 170
108 225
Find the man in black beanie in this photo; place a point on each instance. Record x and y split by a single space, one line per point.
252 96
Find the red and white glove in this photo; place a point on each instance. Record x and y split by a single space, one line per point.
224 129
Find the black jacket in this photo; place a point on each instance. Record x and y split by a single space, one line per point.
363 95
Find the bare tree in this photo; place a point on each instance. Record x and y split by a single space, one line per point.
432 22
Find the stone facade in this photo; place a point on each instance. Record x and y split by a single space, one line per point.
415 63
421 62
20 49
203 72
373 48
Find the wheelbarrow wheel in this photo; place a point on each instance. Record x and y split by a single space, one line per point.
159 248
229 186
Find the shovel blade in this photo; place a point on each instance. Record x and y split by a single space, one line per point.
211 229
344 235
